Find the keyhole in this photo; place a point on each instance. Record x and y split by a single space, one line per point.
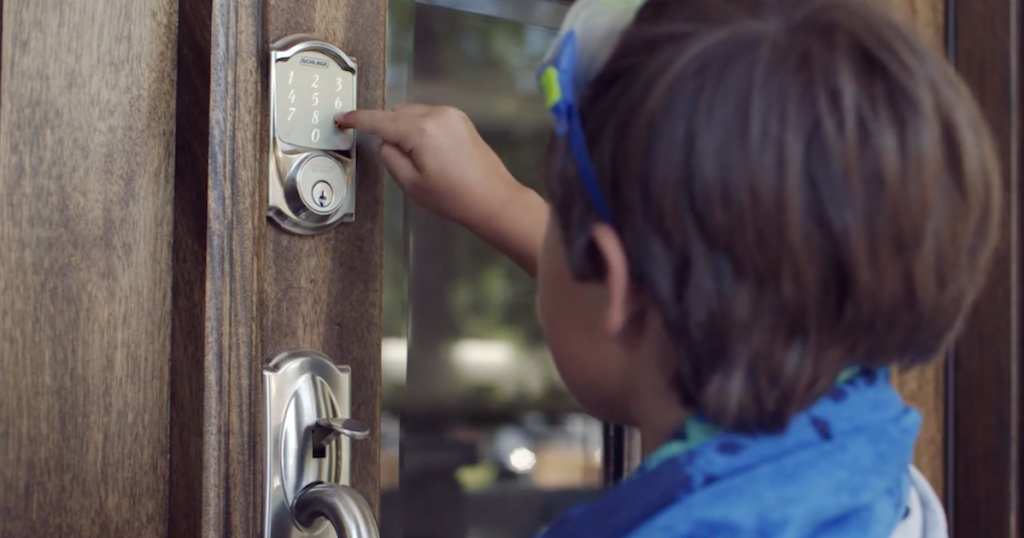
323 194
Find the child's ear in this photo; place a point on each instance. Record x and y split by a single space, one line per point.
620 308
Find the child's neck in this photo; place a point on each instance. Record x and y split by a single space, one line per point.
657 426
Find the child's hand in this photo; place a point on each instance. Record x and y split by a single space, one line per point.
437 157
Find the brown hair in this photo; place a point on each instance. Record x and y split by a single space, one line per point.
800 185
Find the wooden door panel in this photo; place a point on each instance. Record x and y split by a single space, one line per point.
985 452
86 149
325 291
261 289
100 101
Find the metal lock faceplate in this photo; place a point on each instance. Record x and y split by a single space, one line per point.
311 180
301 388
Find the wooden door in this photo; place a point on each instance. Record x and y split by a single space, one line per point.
87 124
141 286
985 485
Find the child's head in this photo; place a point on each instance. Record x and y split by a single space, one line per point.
793 187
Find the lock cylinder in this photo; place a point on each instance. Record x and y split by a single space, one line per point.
312 162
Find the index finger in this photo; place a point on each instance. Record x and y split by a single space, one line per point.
385 124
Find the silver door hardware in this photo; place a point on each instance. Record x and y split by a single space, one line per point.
308 437
342 506
311 185
325 431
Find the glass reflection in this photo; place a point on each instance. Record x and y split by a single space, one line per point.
491 444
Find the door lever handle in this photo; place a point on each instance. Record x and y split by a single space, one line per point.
326 430
308 450
346 510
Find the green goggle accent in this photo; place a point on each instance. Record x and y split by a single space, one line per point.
550 86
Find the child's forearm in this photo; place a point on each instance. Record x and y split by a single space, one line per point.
455 175
516 227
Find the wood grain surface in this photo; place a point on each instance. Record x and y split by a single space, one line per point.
86 157
188 318
245 289
986 374
325 291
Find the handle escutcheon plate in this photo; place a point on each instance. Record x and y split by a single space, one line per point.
306 395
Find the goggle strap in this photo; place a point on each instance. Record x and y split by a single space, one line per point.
585 167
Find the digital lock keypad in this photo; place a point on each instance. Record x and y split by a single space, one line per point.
312 162
311 90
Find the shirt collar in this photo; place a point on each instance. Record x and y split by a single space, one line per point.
699 455
698 430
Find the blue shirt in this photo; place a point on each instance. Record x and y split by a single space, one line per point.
839 470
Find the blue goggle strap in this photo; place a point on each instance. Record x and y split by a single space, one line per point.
556 81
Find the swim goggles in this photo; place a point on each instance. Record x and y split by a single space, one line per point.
587 38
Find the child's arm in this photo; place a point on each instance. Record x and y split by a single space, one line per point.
437 157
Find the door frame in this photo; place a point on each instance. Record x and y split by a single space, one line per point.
983 448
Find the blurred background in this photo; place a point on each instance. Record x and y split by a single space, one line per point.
479 437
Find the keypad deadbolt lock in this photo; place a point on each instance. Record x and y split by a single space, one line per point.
312 162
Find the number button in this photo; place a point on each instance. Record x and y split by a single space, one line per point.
310 95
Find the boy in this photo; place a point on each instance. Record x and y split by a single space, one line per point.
756 209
